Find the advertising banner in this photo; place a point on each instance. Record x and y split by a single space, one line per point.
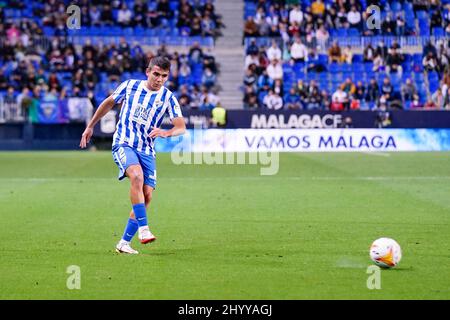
307 140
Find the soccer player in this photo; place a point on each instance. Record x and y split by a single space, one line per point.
144 104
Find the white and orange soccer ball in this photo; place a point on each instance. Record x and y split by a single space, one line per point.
385 252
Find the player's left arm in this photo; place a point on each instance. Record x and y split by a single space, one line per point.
174 112
179 127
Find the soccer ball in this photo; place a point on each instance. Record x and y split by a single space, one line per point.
385 252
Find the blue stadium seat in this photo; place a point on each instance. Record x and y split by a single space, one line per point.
395 6
357 58
323 58
358 67
438 32
342 33
333 67
353 32
346 68
422 15
424 28
368 67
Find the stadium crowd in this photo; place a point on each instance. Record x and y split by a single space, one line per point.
303 69
383 76
189 18
325 18
95 70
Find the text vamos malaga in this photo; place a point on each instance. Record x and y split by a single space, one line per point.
321 142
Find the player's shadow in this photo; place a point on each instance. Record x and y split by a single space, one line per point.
403 269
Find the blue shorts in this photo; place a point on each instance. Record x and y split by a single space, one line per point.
125 156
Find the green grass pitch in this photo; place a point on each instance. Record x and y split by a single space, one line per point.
224 231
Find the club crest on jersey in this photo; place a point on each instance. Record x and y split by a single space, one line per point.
158 104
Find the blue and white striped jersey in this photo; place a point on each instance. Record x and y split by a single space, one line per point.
141 110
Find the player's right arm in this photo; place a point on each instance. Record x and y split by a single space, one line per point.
103 109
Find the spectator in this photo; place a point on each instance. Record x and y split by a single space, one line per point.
252 48
292 100
314 97
275 70
272 101
438 99
260 15
140 9
24 102
429 104
53 82
13 34
274 52
278 87
3 80
318 9
435 20
383 118
272 17
322 36
251 59
294 29
113 70
250 78
163 11
107 15
196 97
387 89
388 26
347 123
264 82
360 92
394 62
408 90
331 18
299 51
429 62
347 55
325 100
250 98
342 21
369 53
378 63
206 104
349 87
184 98
196 27
262 58
195 54
339 100
208 27
314 63
373 91
251 28
400 28
381 50
334 53
296 15
447 99
429 48
354 18
208 78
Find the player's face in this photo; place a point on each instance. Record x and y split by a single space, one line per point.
156 77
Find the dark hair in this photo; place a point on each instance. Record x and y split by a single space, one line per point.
159 61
